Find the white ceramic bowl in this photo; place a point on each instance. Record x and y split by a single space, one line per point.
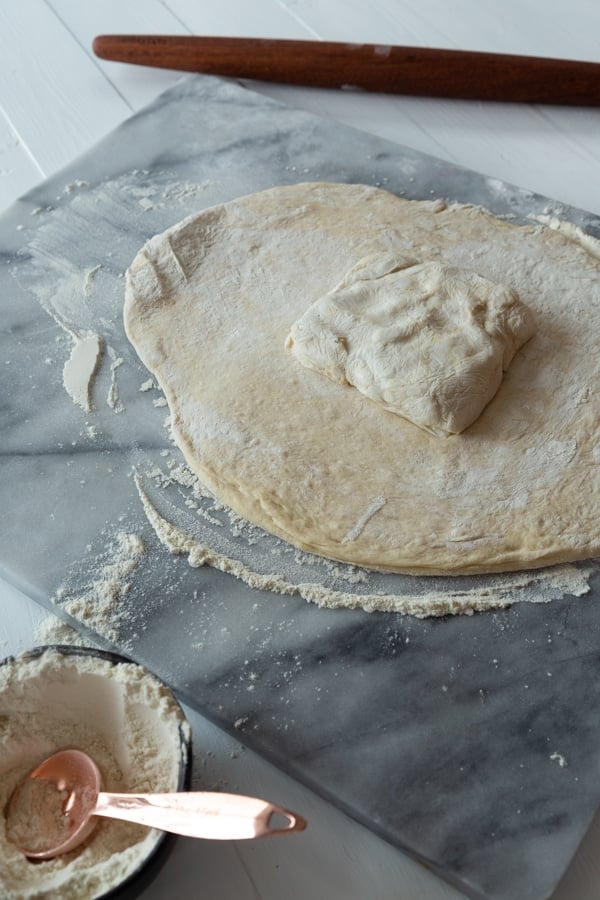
121 714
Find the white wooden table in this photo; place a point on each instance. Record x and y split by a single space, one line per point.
57 99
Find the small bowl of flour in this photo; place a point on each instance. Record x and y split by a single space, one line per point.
56 697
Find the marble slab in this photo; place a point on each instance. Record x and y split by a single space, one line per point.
470 742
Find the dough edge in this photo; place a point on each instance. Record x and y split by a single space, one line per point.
262 512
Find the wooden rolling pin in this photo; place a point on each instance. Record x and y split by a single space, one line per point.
460 74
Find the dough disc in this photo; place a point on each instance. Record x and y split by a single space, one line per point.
209 304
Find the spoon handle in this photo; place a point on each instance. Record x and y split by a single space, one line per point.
201 814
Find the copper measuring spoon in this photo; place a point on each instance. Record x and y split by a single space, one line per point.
52 810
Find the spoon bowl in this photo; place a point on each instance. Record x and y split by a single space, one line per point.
51 811
54 808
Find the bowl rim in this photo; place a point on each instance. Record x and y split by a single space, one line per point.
131 885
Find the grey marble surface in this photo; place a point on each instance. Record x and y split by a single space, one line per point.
470 742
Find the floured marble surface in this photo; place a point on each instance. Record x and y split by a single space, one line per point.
220 539
86 302
446 734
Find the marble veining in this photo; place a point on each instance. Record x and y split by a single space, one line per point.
471 742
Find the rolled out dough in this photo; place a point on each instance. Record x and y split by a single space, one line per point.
209 305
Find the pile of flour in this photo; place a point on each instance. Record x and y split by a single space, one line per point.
122 716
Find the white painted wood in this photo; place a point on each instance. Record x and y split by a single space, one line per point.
53 97
505 141
57 99
264 18
561 29
137 85
18 171
527 27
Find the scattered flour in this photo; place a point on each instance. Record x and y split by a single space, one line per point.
100 604
75 185
559 758
80 368
60 284
501 591
52 630
112 398
89 279
373 508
